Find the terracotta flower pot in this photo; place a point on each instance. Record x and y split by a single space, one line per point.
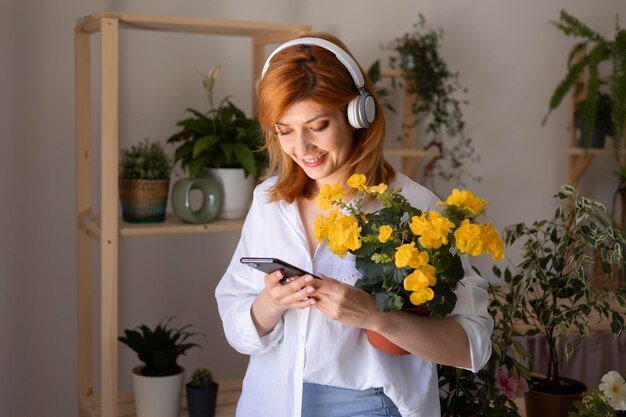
541 404
383 344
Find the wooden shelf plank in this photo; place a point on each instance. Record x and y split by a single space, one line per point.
90 224
593 152
408 153
244 28
227 397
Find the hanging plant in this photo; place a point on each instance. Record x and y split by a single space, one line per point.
435 88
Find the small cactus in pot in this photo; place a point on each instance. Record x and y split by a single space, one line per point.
201 394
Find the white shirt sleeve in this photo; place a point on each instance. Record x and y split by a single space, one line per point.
240 286
471 312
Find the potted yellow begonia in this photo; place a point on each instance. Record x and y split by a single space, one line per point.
407 257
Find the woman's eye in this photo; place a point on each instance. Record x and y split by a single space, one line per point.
320 127
280 132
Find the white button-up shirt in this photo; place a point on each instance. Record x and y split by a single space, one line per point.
307 346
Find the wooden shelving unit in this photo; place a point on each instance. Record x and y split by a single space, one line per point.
104 227
579 159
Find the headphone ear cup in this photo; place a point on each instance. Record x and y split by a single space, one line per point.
361 111
353 113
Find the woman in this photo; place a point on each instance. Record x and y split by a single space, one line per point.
309 355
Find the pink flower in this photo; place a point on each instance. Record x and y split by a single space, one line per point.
510 385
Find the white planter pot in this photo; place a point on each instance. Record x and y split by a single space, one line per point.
236 192
157 396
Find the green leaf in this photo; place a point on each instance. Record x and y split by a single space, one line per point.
245 158
203 144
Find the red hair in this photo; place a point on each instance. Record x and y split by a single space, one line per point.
310 72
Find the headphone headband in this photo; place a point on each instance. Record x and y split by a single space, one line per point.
341 55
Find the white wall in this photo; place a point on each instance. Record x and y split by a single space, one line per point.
508 56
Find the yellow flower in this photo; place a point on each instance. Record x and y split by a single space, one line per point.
329 194
357 181
378 189
466 200
344 234
420 279
433 229
321 224
384 233
493 243
469 238
421 296
409 255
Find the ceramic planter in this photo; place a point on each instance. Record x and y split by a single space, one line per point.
157 396
211 199
236 192
201 402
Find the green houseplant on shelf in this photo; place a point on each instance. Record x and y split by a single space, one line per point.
550 293
585 59
224 142
435 88
201 394
144 178
158 382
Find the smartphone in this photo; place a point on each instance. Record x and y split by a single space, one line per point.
269 265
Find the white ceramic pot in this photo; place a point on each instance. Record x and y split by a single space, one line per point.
236 190
157 396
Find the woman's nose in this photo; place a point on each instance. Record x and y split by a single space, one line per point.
302 143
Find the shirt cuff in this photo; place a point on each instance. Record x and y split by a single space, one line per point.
250 335
479 340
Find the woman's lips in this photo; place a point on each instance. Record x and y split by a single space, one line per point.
313 162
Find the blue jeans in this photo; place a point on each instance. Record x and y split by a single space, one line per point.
327 401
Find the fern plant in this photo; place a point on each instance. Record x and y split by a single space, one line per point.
593 49
160 348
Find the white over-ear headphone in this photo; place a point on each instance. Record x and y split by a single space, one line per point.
361 110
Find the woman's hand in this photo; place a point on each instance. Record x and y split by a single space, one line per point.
276 298
345 303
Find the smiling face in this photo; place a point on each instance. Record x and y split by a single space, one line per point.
318 139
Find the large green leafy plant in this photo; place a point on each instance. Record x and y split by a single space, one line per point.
585 59
550 292
159 348
435 88
221 137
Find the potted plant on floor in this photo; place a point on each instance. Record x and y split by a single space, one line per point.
225 142
144 179
550 293
158 382
491 391
201 394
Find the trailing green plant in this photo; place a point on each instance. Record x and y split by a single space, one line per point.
146 160
435 88
160 348
550 291
585 58
463 392
383 93
201 379
221 137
